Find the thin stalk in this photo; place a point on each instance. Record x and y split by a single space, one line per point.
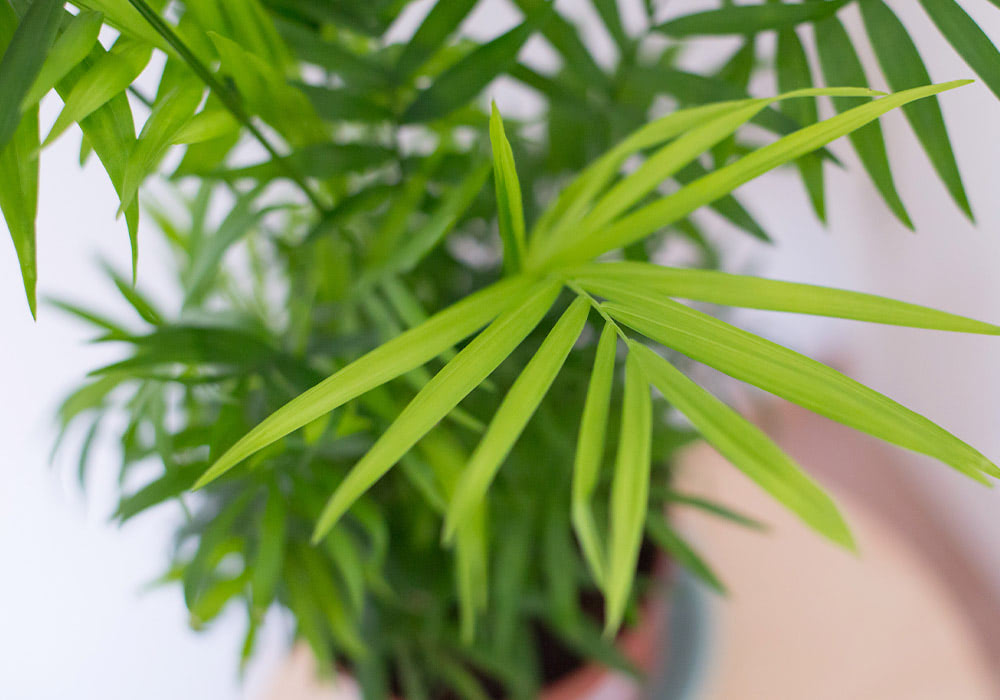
229 100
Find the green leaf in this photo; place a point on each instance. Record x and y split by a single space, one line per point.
510 210
464 80
747 447
666 211
903 68
629 493
23 59
390 360
270 555
794 377
841 66
748 19
72 47
110 76
967 38
428 235
680 551
470 367
169 116
513 414
442 20
792 71
716 509
343 104
590 451
121 15
665 163
110 131
19 198
608 279
727 206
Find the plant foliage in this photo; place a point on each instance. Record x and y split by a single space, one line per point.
416 411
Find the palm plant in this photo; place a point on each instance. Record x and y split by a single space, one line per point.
429 442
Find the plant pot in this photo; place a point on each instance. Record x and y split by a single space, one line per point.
673 668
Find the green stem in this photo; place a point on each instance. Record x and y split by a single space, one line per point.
229 100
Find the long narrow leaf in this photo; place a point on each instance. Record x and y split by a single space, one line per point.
794 377
680 551
841 66
72 46
510 210
629 493
606 279
903 68
748 19
411 349
513 415
792 72
439 396
463 81
747 447
666 211
969 40
23 59
590 451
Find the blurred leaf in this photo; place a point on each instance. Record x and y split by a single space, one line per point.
792 71
714 508
70 48
510 211
590 451
439 396
903 68
747 447
726 206
680 551
110 76
269 558
513 414
168 117
967 38
22 61
841 66
662 213
390 360
171 485
343 104
629 493
749 19
464 80
121 15
442 20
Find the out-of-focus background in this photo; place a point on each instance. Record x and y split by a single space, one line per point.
76 618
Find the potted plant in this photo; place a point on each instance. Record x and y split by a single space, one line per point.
416 409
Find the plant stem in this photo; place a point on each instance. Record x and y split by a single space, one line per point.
229 100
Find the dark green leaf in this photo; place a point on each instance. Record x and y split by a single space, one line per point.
841 66
903 68
23 58
969 40
463 81
749 19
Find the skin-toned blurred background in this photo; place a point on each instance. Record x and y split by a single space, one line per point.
73 611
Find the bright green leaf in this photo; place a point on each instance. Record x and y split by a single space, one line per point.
629 493
513 415
439 396
794 377
510 211
590 450
747 447
72 47
390 360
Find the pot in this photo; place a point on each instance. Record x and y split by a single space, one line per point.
674 670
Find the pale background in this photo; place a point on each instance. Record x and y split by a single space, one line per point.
74 620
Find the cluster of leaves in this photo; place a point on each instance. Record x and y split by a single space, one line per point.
351 311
